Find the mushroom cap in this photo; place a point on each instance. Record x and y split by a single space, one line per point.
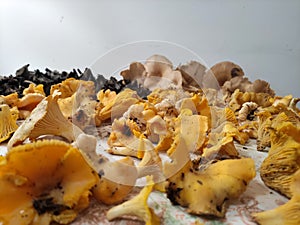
46 118
224 71
54 172
8 123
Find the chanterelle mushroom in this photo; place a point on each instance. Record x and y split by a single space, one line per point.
116 180
8 123
46 118
283 159
53 185
206 192
137 206
288 213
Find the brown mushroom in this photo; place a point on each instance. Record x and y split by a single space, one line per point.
224 71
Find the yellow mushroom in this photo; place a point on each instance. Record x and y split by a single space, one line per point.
123 141
8 123
288 213
32 88
137 206
231 130
283 158
238 98
53 185
69 86
220 147
122 102
103 108
207 191
263 132
11 99
45 119
79 108
27 103
116 180
151 164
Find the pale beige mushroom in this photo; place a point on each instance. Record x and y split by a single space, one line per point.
192 75
160 73
136 72
246 110
156 127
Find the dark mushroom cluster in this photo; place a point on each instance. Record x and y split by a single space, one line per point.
23 77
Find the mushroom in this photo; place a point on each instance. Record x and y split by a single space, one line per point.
103 108
250 128
11 99
8 123
263 139
150 164
278 100
247 110
123 141
137 206
53 185
238 98
116 180
193 129
160 73
27 103
203 108
293 105
220 148
79 108
222 72
32 88
261 86
123 101
288 213
207 191
69 86
46 118
283 157
156 127
136 72
244 85
220 115
192 75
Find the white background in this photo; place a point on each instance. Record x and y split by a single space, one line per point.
263 37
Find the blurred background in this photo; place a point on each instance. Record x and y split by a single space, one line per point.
262 36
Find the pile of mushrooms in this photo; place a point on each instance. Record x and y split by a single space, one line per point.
180 138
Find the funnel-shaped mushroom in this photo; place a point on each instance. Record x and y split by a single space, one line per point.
116 180
44 181
137 206
207 192
283 159
288 213
7 122
46 118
